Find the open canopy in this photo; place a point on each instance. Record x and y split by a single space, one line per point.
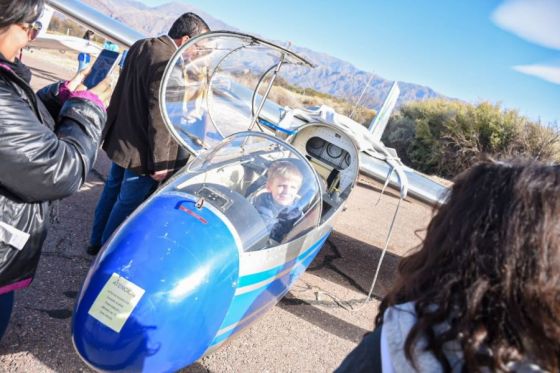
216 85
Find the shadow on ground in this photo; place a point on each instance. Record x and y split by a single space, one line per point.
351 264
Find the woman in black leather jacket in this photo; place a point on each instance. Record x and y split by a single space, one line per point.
48 143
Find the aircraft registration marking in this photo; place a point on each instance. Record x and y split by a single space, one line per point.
115 302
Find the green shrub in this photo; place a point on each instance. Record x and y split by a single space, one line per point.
445 137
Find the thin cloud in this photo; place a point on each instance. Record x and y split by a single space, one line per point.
546 72
537 21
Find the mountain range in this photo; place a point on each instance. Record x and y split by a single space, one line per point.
331 75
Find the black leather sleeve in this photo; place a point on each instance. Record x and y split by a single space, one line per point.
49 96
39 164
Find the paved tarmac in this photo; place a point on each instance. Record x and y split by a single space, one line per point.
311 330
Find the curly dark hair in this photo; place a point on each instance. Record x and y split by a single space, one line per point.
489 267
21 11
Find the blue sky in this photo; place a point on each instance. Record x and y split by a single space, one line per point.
505 51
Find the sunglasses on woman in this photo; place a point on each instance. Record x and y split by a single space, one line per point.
32 29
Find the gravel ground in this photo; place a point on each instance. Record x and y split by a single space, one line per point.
311 330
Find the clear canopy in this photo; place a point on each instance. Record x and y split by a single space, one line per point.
214 87
262 185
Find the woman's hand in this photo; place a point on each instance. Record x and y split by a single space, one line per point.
104 89
76 82
161 175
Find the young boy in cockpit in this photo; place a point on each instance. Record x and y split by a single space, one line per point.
277 205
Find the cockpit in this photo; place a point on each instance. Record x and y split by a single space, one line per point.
263 187
272 190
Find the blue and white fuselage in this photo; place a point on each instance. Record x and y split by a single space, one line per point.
202 258
194 264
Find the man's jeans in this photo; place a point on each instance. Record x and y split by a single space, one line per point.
124 191
6 305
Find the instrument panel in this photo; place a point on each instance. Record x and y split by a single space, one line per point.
328 153
215 198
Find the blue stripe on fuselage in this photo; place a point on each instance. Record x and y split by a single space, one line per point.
245 308
262 276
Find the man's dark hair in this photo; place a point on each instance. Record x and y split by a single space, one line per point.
21 11
188 24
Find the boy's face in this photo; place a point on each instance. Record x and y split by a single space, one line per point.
284 189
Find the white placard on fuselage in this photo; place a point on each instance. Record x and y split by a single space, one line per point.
116 301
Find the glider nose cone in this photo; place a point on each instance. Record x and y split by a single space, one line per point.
159 291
